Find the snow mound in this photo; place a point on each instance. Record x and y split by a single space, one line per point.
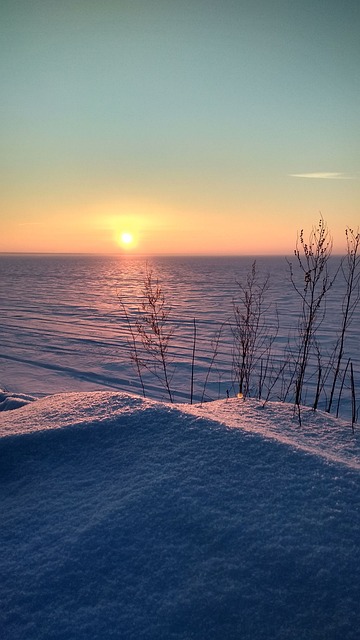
74 409
129 519
9 401
320 433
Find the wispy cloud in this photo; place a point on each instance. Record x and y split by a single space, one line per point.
322 175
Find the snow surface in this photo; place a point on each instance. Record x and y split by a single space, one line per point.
63 328
10 401
132 519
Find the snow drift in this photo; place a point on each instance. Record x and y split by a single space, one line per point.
10 401
130 519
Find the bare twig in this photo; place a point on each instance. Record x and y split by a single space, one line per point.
350 268
249 332
312 259
193 364
215 350
134 353
151 326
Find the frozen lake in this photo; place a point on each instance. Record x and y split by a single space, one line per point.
63 328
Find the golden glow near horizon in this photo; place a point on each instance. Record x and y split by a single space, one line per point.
154 228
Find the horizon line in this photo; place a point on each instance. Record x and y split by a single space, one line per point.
149 255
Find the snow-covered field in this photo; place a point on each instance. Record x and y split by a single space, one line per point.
63 329
132 519
128 518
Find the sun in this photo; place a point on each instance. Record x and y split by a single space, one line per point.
126 239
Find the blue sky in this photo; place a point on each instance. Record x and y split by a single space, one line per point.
218 127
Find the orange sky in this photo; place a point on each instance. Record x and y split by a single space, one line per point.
156 228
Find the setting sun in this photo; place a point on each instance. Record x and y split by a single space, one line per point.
126 239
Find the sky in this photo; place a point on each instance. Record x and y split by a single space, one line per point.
194 127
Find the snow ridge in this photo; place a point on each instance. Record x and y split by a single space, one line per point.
128 519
